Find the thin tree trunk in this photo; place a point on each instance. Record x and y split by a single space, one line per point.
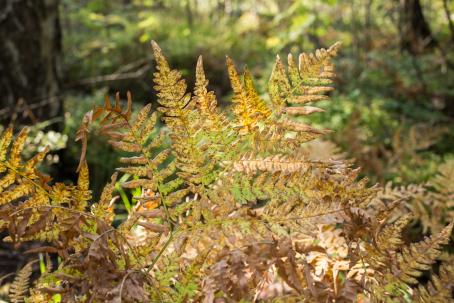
448 16
30 51
189 13
368 25
416 36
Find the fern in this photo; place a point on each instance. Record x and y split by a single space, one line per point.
19 288
420 256
228 207
440 288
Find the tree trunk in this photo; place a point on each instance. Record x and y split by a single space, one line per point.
30 51
415 34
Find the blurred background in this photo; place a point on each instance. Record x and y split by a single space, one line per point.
393 110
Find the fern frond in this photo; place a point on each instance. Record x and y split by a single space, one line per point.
149 160
5 141
19 178
439 289
204 100
192 130
249 109
116 114
387 242
215 125
171 88
82 194
104 208
307 82
19 288
420 256
276 163
389 238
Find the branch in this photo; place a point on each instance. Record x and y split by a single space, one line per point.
112 77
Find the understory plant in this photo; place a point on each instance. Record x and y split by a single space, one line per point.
237 207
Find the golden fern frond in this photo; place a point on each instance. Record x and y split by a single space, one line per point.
81 193
204 100
5 141
104 209
420 256
19 179
29 196
19 288
211 119
248 108
387 241
390 237
171 88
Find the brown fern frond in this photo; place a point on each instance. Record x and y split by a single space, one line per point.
19 288
116 115
420 256
439 289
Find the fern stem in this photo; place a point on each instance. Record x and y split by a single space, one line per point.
57 207
264 220
164 247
